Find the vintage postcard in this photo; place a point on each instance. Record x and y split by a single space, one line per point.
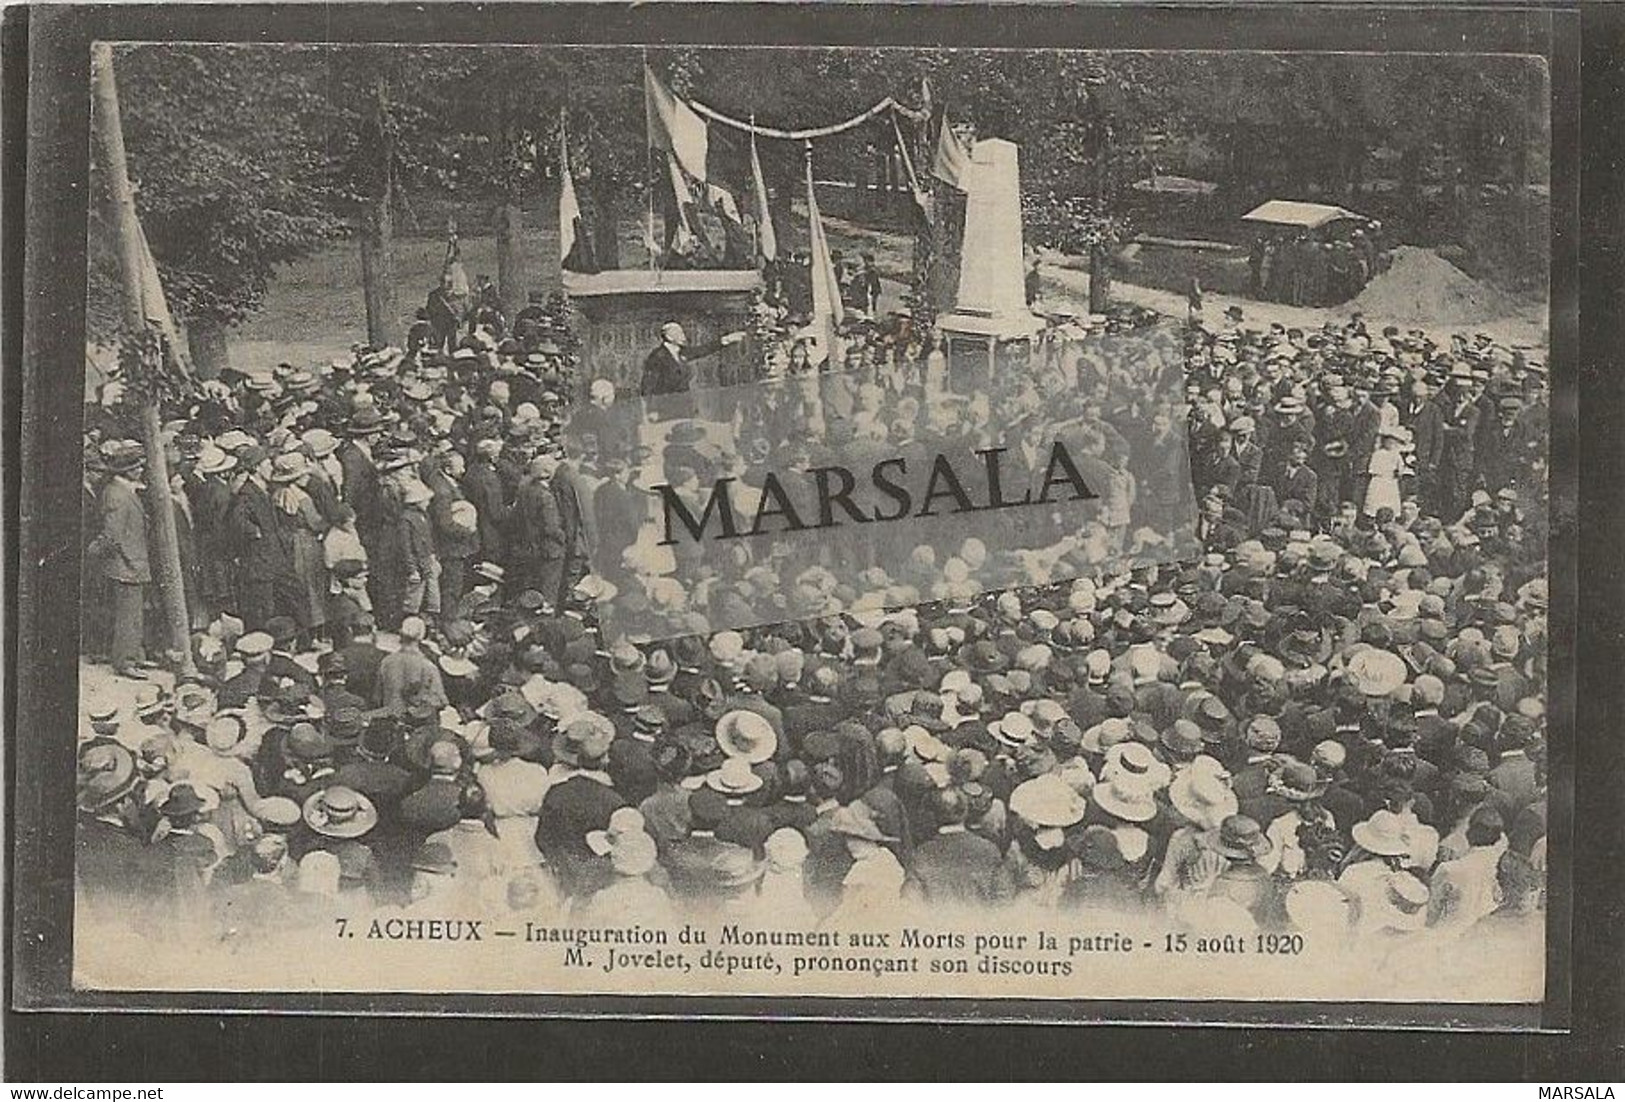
1032 524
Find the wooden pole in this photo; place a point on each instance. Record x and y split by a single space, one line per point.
109 137
378 224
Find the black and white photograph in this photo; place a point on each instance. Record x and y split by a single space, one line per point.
815 522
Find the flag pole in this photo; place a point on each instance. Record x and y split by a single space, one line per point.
650 242
109 135
564 175
756 225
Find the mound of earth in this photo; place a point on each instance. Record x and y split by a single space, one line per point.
1422 286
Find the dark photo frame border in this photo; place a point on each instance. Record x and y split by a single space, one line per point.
46 142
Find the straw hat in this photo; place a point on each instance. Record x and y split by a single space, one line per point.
1126 798
1013 729
1202 797
733 778
1375 672
745 734
339 811
1406 900
1047 801
319 442
107 773
289 467
1135 761
214 460
1382 834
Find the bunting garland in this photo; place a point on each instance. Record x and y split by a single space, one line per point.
679 132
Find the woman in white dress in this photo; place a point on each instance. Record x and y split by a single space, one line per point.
874 883
1386 466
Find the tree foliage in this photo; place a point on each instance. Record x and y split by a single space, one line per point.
229 181
247 157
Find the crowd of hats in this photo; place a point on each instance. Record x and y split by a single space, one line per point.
1336 695
1101 396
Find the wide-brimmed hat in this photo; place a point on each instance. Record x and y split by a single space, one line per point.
1298 781
1202 797
1135 761
457 665
1048 801
686 432
1319 907
340 812
1383 834
1375 672
1240 839
586 738
1168 610
107 773
1126 798
121 456
195 704
1013 729
319 442
366 421
1407 902
289 467
734 777
234 440
214 460
224 733
660 669
745 734
1183 738
183 799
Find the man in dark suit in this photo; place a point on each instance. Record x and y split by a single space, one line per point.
482 487
580 801
261 556
618 509
1297 480
536 535
112 865
121 547
668 369
707 866
1514 781
359 487
955 866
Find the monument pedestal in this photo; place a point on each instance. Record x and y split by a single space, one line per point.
990 301
622 312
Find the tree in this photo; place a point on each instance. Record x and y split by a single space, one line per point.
227 194
379 131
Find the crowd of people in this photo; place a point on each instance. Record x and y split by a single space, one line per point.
1303 269
1329 720
1098 420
